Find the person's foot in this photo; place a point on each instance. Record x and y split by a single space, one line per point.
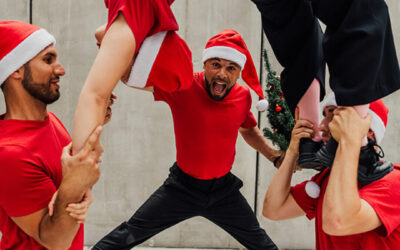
370 168
307 151
327 153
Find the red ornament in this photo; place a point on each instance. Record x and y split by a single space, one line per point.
281 95
278 108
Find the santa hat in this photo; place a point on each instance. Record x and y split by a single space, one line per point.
379 112
229 45
19 43
163 60
329 101
377 109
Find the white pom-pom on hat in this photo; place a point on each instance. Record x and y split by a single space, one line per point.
262 105
312 189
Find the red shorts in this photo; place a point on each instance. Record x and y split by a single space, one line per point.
144 17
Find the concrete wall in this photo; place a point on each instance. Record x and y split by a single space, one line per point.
139 142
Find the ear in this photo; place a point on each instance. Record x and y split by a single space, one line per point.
371 135
18 74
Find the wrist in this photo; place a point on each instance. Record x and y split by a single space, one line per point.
350 142
277 158
70 192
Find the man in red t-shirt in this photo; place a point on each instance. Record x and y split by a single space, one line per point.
353 206
207 119
31 145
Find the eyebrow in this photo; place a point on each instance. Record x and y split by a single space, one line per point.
235 64
51 54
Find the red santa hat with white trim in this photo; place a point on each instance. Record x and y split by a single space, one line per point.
379 112
164 60
377 109
19 43
229 45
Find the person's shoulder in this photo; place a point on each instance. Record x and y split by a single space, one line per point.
11 154
390 182
54 119
243 88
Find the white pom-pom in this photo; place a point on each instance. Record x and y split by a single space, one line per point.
262 105
312 189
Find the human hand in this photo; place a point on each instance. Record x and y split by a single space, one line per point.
51 204
347 125
302 129
108 116
81 170
79 211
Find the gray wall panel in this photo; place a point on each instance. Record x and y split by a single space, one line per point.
139 141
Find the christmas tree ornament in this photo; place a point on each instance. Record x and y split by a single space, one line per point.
262 105
312 189
280 119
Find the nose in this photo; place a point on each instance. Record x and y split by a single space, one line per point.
222 73
59 69
323 126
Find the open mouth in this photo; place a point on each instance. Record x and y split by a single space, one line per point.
219 87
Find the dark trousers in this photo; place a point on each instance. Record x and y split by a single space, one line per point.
357 45
182 197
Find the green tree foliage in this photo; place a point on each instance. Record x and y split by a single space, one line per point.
278 113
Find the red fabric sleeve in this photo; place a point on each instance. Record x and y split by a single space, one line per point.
24 186
160 95
308 204
384 197
250 121
144 17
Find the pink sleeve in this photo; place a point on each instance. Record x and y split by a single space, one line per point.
384 197
25 186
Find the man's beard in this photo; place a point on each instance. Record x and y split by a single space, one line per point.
216 98
40 91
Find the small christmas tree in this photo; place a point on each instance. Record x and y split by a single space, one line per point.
279 116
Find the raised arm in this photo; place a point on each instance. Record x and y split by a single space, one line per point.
255 138
279 204
80 172
115 55
344 212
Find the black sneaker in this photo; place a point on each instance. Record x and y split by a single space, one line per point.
307 150
327 153
370 168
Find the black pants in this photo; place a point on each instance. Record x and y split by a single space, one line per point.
182 197
357 45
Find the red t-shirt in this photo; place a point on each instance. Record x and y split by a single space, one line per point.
383 196
31 172
206 130
144 17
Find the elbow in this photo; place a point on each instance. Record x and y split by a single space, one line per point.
333 225
59 244
267 214
270 213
